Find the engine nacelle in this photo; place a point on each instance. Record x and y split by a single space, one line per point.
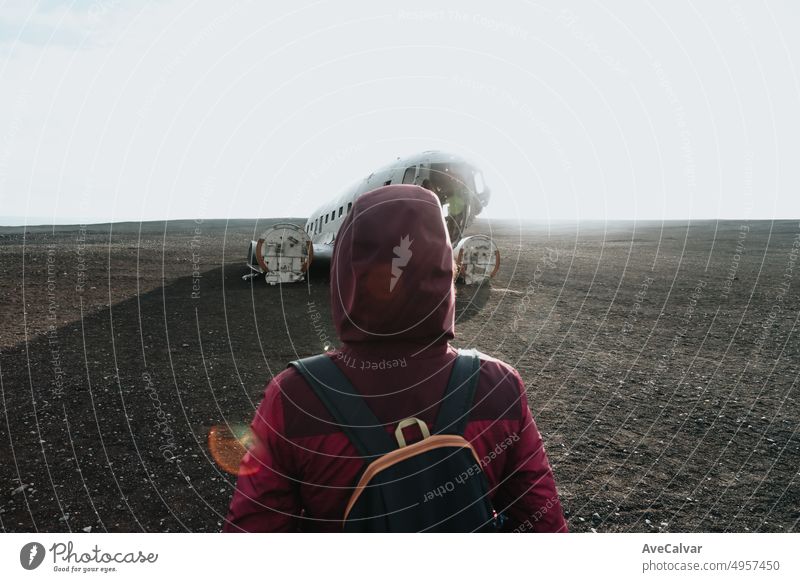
282 254
477 259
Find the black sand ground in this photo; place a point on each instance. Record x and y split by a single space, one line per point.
661 360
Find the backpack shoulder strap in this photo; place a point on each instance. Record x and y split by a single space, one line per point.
347 406
459 394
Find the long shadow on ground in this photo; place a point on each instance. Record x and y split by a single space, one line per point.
108 417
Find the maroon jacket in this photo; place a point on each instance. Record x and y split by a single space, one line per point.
393 304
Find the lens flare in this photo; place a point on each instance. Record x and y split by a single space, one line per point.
229 444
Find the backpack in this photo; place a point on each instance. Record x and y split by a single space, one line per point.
433 485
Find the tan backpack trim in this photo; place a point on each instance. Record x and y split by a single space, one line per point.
399 455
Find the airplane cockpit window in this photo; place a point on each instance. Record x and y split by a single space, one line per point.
326 219
341 209
479 185
454 185
409 175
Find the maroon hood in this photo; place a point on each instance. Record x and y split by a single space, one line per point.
392 269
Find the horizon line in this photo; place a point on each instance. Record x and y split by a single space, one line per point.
74 222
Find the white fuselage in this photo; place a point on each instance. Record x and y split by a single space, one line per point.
285 251
421 169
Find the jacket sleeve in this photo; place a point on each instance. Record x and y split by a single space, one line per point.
266 498
527 494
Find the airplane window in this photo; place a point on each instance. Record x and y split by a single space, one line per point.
479 185
349 206
333 215
326 219
408 176
341 209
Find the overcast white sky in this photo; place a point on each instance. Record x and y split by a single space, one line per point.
127 110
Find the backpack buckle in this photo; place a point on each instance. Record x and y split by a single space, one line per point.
398 433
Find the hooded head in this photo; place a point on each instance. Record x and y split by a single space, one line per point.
392 270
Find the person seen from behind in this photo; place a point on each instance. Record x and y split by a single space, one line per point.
395 430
